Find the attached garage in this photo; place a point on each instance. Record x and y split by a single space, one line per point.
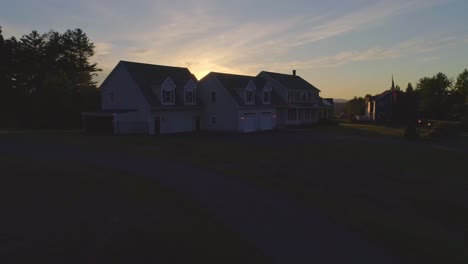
248 122
265 121
114 123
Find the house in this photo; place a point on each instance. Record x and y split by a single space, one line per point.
302 101
328 109
138 98
379 108
238 103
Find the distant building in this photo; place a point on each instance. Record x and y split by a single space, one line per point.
379 108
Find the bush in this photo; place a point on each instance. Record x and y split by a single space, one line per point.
444 129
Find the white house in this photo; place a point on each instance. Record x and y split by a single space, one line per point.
140 98
302 101
237 103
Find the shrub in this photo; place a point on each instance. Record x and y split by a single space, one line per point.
444 129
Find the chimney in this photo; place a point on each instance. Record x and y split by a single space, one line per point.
294 72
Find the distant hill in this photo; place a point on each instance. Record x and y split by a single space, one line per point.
339 100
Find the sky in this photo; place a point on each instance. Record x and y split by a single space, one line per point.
346 48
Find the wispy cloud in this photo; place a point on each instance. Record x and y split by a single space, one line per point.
431 58
140 52
102 49
205 39
412 47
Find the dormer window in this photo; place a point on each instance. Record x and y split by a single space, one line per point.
189 97
266 94
168 92
168 97
249 97
190 93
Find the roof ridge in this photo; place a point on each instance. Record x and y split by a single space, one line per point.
149 64
233 74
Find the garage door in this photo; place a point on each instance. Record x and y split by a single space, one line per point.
249 122
99 124
266 121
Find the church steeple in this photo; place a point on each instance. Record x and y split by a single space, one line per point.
393 84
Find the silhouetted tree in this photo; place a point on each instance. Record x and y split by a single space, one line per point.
461 87
47 78
433 93
355 106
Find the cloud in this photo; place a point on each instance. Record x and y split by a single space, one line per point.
140 52
415 46
102 49
432 58
205 38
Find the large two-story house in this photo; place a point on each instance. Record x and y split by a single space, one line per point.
238 103
302 101
138 98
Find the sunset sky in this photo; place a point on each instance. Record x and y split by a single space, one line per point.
345 48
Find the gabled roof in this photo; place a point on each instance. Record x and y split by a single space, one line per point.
148 76
382 95
292 82
233 82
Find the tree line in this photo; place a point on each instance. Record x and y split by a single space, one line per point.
437 97
46 80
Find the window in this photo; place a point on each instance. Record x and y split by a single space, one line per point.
213 120
111 97
168 97
266 97
249 97
304 97
189 97
213 98
290 97
297 97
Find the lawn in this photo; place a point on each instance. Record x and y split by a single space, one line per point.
408 197
68 213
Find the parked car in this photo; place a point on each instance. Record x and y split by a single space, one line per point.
424 123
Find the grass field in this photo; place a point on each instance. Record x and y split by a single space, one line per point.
69 213
410 198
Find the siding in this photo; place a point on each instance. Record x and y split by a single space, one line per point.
174 122
225 108
131 123
125 92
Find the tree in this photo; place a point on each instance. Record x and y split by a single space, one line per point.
356 106
409 88
43 75
9 98
433 93
461 86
